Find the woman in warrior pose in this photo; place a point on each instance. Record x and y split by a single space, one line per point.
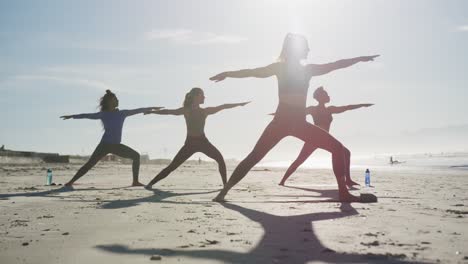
290 117
322 116
196 140
112 119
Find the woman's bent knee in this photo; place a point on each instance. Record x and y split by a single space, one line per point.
347 152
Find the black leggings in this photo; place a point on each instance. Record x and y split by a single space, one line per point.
191 146
102 150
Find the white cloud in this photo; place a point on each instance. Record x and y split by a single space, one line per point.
463 28
187 36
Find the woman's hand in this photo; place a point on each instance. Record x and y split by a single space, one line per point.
219 77
65 117
369 58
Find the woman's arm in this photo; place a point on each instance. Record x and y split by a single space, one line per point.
214 110
320 69
82 116
179 111
262 72
140 110
341 109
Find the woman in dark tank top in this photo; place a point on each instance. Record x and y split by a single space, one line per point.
322 116
196 141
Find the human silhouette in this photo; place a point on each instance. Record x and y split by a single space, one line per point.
290 117
322 116
112 120
394 161
196 141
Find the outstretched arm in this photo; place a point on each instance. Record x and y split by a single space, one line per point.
262 72
140 110
214 110
341 109
82 116
320 69
179 111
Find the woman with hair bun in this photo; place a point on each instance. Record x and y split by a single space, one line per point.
112 120
322 116
196 141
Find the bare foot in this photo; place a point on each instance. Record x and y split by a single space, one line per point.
68 184
281 184
149 187
219 199
350 183
137 184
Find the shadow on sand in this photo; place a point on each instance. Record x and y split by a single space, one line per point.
50 192
158 196
286 239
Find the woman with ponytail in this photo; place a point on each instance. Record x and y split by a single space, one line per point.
196 140
112 119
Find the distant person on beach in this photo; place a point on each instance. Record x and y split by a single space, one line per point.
322 116
196 141
112 120
394 161
290 117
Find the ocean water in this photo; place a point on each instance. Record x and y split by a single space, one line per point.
419 161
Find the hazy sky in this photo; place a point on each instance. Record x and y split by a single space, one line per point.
58 57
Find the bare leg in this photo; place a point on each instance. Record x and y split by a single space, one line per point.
184 153
100 151
270 137
305 153
349 182
212 152
127 152
322 139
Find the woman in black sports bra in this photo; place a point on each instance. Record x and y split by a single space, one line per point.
322 116
196 140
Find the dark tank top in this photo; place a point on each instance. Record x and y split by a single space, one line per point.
322 118
195 121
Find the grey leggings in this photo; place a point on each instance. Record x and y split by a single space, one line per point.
102 150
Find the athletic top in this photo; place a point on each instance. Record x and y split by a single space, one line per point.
112 122
195 121
293 85
322 119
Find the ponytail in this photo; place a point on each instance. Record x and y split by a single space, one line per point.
188 101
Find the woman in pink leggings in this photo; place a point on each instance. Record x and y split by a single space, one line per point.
290 117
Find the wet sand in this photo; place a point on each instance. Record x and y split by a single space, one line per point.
421 216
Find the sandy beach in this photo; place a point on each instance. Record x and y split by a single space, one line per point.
420 217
